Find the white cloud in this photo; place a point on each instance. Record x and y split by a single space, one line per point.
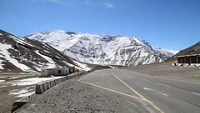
78 3
109 5
93 4
69 3
56 1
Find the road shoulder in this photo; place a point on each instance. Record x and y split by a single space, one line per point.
74 96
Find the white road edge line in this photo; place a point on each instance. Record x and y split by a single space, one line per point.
83 77
196 93
150 89
163 84
107 88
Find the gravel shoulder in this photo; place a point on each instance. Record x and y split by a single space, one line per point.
73 96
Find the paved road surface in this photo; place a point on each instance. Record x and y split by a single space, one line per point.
164 94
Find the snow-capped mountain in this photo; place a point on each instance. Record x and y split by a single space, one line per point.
102 49
25 55
164 54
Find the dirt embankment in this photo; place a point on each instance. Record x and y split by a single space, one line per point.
167 70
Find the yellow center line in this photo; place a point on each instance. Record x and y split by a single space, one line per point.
107 88
142 97
101 87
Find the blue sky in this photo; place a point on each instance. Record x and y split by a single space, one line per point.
169 24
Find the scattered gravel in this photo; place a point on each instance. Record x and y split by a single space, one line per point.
75 97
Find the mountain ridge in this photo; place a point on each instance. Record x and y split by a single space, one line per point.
26 55
191 50
102 49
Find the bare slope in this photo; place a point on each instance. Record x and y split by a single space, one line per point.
194 49
25 55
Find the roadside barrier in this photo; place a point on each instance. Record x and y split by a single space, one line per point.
44 86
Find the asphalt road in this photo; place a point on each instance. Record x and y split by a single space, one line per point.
166 95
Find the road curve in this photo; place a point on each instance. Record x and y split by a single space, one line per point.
167 95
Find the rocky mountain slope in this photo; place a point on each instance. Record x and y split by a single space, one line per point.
25 55
194 49
102 49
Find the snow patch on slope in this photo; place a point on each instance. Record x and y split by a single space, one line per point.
1 64
50 64
4 51
82 66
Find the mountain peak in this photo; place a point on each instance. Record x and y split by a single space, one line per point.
102 49
59 31
26 55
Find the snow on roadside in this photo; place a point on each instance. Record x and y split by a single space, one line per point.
27 91
24 92
30 81
2 80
